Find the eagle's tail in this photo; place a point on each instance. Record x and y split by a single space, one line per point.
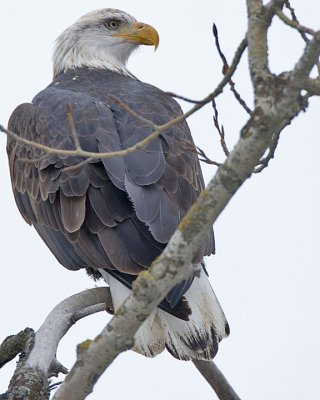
197 338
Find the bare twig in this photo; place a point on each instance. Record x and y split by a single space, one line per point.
205 158
178 96
190 146
219 129
72 127
264 162
222 56
225 68
123 105
302 29
77 166
33 161
296 25
216 380
295 20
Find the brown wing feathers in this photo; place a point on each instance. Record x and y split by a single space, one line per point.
117 213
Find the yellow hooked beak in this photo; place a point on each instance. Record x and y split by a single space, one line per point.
140 33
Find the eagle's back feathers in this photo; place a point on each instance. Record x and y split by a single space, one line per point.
116 213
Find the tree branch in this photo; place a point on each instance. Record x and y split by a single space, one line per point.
37 362
258 24
225 68
312 86
13 345
66 313
264 162
184 98
295 24
294 18
220 129
216 380
72 127
309 58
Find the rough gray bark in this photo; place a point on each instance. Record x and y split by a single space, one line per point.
37 362
13 345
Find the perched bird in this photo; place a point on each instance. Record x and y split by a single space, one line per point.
114 216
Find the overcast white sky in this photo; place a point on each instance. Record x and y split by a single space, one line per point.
266 271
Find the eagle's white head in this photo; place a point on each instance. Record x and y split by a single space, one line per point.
101 39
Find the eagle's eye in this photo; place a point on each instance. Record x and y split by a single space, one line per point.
112 24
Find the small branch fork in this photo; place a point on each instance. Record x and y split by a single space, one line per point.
294 23
226 67
220 129
264 161
204 158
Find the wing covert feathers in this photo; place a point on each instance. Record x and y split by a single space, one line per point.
118 213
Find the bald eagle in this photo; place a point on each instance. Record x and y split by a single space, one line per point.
114 216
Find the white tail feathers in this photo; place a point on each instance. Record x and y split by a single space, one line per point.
197 338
